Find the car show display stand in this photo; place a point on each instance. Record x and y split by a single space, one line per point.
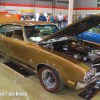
19 69
89 93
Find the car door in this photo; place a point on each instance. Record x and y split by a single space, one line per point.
14 42
3 41
17 50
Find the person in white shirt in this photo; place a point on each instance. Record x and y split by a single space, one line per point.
60 18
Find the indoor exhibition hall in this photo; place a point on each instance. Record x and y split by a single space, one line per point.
50 49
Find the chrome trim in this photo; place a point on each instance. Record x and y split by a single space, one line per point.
19 63
48 79
89 74
95 64
84 84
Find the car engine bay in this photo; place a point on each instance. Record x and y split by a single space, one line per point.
76 50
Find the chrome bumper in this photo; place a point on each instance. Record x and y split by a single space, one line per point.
93 79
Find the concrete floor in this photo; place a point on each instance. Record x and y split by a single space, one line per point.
12 82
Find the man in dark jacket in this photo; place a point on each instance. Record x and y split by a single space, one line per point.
42 17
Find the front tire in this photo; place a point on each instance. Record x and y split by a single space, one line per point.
50 79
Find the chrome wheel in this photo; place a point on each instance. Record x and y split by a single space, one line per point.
48 79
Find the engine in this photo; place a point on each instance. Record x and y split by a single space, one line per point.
77 51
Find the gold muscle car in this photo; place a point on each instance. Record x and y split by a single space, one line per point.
58 58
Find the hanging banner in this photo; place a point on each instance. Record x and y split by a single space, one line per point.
27 12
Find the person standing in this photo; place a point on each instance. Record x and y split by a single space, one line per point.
64 20
60 18
22 17
49 20
42 17
80 17
67 20
74 18
52 18
55 19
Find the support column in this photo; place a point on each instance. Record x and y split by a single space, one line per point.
2 5
70 11
54 4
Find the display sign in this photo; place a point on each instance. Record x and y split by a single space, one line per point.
27 12
11 11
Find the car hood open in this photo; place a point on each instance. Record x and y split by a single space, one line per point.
77 27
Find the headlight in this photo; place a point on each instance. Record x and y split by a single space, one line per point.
89 74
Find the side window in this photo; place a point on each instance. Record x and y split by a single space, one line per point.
3 30
12 31
15 32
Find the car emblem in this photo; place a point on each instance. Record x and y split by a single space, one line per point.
30 60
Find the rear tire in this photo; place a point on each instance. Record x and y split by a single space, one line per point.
50 79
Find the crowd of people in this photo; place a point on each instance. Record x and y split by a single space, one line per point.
26 17
60 19
53 19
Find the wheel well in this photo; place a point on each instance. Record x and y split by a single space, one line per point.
39 66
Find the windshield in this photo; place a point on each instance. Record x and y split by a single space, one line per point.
39 32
